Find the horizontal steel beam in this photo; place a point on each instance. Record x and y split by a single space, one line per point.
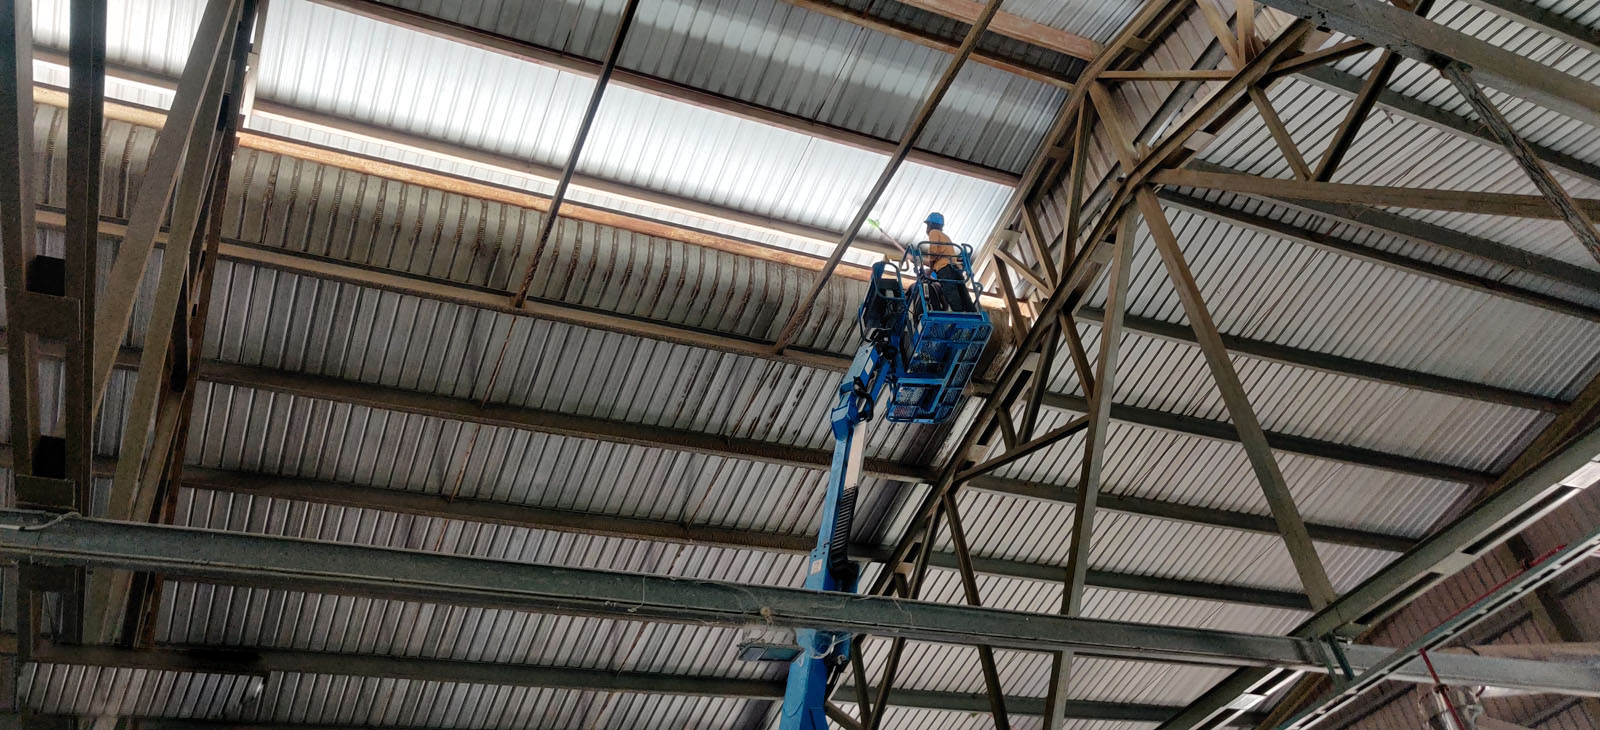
1348 367
1458 201
473 510
1189 513
249 660
343 569
1287 443
1433 44
1547 20
1432 236
818 459
1335 80
1387 224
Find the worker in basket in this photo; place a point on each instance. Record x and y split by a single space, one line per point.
942 260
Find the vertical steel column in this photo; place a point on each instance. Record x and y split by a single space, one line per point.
17 235
1094 446
918 123
612 54
85 119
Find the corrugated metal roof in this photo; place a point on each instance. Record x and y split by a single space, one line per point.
486 101
1097 20
788 58
1257 286
340 700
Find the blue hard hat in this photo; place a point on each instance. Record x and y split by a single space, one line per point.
935 219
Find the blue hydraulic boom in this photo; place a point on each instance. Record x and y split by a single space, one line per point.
921 343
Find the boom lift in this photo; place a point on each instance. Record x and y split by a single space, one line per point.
923 351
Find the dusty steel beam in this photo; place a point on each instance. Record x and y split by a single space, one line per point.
1015 27
1459 201
1344 366
970 590
904 32
17 233
1421 111
1563 202
1417 231
1431 43
456 409
1548 20
1301 551
609 66
1023 450
1361 107
1518 502
343 569
656 86
1188 513
1094 458
1356 116
214 660
1223 431
154 413
182 135
490 512
85 119
1280 133
908 585
803 307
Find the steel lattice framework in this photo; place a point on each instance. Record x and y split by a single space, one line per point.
104 573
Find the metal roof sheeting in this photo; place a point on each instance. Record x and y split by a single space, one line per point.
784 57
460 94
341 700
1097 20
1258 287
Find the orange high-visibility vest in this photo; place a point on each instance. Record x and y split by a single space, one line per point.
940 256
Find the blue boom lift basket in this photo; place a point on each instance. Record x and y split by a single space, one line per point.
935 347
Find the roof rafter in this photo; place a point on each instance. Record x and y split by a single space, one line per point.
1425 41
654 85
928 40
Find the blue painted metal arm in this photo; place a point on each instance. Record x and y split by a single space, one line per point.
923 351
829 567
